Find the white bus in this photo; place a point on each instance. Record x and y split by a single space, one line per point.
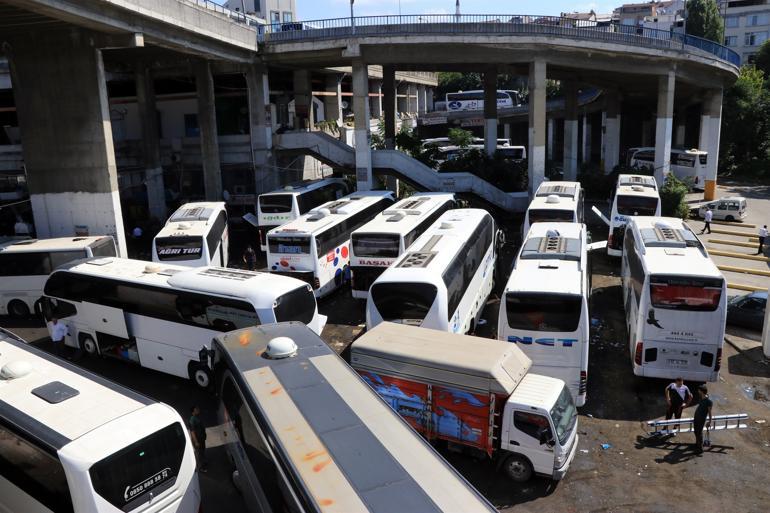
474 100
25 265
687 165
544 307
160 316
635 195
306 433
378 243
195 235
443 280
555 202
315 247
287 204
71 441
675 301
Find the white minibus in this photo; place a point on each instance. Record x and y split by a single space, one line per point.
195 235
378 243
474 100
635 195
555 202
316 247
307 434
730 208
73 442
544 307
675 301
288 203
687 165
25 265
160 316
443 280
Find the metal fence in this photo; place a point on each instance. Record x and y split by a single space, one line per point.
236 16
490 24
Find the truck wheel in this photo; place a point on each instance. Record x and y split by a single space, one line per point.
518 468
200 375
88 345
729 219
18 309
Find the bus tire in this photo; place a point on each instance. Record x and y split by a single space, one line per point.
88 345
729 219
18 308
518 468
200 375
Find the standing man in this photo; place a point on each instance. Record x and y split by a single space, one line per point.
762 238
250 258
677 397
198 436
707 218
58 332
702 412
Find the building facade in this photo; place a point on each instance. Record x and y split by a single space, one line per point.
747 26
273 11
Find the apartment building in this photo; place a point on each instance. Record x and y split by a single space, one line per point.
747 26
272 11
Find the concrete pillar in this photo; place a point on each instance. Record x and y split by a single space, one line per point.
148 118
402 100
375 88
490 111
536 152
507 131
422 100
611 155
389 105
261 133
570 163
664 126
679 133
586 138
549 138
333 102
711 122
429 101
413 99
361 129
63 111
303 101
207 126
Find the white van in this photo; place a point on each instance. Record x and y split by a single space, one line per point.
727 209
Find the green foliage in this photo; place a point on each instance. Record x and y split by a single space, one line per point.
329 126
460 138
599 186
450 82
503 173
673 198
377 139
704 20
762 58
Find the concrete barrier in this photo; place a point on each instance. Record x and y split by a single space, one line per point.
743 270
734 243
734 223
758 258
748 288
737 234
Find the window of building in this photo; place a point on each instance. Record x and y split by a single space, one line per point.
732 21
755 38
731 40
754 20
288 17
275 17
749 58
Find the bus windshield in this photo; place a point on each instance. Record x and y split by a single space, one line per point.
297 305
407 303
636 205
683 293
539 215
179 248
564 415
104 248
275 203
543 312
291 245
376 244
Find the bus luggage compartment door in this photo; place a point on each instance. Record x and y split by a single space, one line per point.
104 319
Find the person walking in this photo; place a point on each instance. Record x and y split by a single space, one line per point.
677 397
707 220
702 412
198 437
58 332
762 239
250 258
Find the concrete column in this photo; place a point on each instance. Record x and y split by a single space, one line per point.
679 133
148 118
549 138
402 100
536 153
664 126
612 132
490 111
429 101
207 126
586 138
63 110
375 88
711 122
389 105
570 163
333 102
361 129
303 101
422 100
413 99
507 131
265 175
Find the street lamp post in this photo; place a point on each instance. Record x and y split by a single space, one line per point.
352 20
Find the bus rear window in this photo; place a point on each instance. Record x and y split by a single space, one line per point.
104 248
179 248
275 203
297 305
125 478
288 245
376 245
543 312
636 205
677 293
540 215
408 303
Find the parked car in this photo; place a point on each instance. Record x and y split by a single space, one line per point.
747 311
727 209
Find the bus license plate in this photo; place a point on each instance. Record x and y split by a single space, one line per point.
678 363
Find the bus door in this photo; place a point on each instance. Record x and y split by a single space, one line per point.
104 320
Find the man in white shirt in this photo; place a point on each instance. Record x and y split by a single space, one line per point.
58 332
707 218
762 239
677 397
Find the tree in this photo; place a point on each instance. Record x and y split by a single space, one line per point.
460 138
703 20
762 58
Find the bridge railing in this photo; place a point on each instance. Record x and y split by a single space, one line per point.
233 15
490 24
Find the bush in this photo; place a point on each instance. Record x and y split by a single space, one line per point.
599 186
672 198
460 138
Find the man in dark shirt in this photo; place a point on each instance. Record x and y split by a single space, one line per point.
702 412
198 436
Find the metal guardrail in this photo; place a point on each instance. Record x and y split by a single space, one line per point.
490 24
236 16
